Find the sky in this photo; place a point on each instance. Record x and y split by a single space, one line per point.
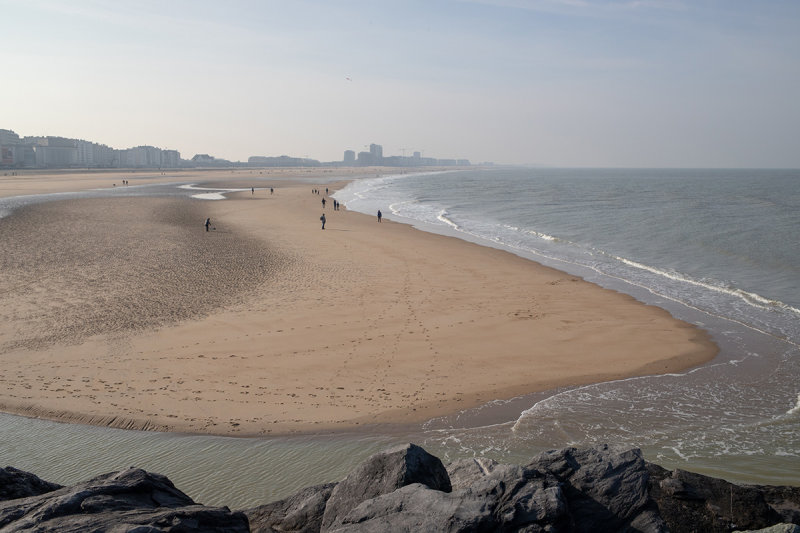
575 83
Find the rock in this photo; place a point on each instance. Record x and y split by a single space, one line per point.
509 498
127 501
777 528
410 508
606 487
784 500
18 484
382 473
465 471
301 513
693 502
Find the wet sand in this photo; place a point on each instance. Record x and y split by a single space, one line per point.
126 312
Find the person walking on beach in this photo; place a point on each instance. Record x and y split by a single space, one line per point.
323 203
380 215
208 223
322 218
252 190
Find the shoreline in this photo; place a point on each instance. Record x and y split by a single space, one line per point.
330 317
31 182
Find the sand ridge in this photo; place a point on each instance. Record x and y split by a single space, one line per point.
270 325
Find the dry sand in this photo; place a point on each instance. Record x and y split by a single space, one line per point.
125 312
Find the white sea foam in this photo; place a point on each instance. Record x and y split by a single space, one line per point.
442 216
796 409
543 236
397 207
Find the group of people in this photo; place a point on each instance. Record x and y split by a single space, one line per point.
322 218
335 204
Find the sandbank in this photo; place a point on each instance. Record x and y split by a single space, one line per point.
125 312
27 182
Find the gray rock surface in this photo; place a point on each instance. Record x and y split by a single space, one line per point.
777 528
510 498
693 502
464 472
18 484
129 501
300 513
382 473
605 487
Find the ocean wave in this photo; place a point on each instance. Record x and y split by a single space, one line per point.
796 409
543 236
750 298
395 208
442 216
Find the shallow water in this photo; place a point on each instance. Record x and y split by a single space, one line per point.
236 472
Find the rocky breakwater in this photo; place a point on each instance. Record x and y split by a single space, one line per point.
407 489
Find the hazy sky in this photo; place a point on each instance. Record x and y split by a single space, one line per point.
557 82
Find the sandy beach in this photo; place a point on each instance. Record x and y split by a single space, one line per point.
125 312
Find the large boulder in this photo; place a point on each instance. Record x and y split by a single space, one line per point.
510 498
18 484
693 502
126 501
606 487
382 473
300 513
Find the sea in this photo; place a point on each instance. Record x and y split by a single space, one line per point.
715 248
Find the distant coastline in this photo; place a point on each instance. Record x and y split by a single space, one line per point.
51 152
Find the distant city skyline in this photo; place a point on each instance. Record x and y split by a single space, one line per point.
59 152
603 83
